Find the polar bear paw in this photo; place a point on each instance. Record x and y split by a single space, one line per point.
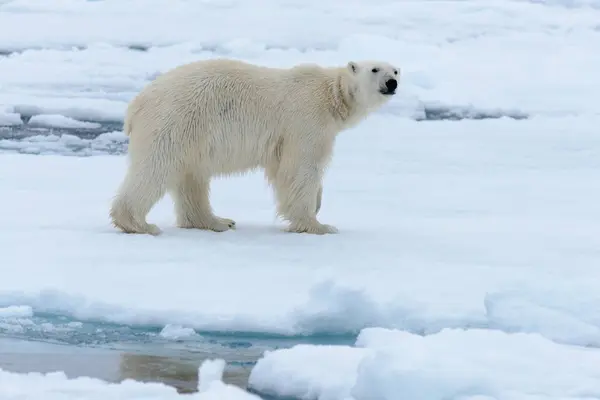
124 220
312 227
140 228
152 229
228 222
215 224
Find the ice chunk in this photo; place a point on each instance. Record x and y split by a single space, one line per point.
171 331
452 364
60 121
308 372
209 373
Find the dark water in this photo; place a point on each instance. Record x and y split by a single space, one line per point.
178 369
113 352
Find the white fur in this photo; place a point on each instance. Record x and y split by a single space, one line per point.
221 117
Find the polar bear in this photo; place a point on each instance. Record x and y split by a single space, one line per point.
222 116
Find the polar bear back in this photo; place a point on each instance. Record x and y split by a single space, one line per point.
238 110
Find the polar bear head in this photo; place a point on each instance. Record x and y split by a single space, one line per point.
375 82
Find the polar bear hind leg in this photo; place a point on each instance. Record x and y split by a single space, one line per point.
190 193
143 186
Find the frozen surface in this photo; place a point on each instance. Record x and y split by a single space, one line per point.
468 224
9 118
309 372
16 312
56 386
67 144
481 235
452 364
60 121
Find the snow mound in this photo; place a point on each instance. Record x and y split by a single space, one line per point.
452 364
56 386
308 372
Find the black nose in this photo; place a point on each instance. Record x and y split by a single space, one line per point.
391 85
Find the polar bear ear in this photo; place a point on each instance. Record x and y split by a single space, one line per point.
353 67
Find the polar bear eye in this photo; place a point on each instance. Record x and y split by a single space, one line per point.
375 70
395 72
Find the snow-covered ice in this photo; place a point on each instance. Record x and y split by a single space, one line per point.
13 318
9 118
60 121
475 223
67 144
468 250
452 364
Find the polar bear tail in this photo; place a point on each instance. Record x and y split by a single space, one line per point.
126 127
132 110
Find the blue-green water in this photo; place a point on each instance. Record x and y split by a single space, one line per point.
47 342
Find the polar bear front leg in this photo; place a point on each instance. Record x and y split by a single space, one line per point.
298 189
192 205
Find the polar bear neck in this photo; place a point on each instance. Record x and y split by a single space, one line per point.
344 103
347 107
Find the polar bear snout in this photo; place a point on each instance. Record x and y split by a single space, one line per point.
390 87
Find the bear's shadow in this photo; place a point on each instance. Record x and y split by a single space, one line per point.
244 230
244 233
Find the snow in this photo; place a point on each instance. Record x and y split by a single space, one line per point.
452 364
67 144
456 237
60 121
210 374
13 318
16 312
469 224
308 372
10 118
56 386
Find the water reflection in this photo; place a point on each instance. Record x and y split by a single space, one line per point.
179 373
179 370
